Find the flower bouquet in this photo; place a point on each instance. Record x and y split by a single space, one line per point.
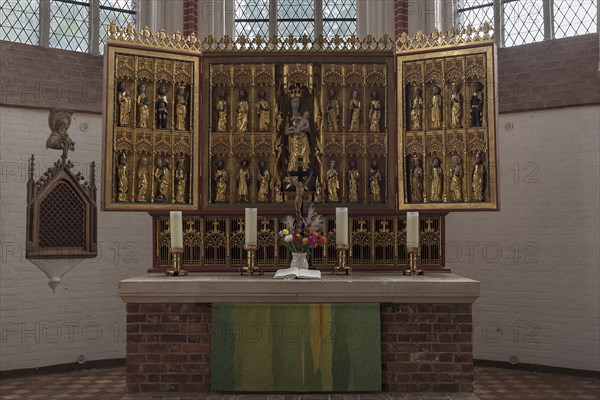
300 236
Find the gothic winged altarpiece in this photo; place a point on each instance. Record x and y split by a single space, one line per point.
379 127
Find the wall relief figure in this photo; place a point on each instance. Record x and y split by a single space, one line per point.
264 112
478 178
221 180
243 107
142 177
162 108
456 179
59 139
416 180
162 175
353 182
124 100
456 110
416 111
143 103
375 112
333 183
180 181
243 182
122 177
477 105
181 108
437 179
222 109
332 112
264 182
375 182
436 108
354 113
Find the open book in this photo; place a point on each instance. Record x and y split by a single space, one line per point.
297 273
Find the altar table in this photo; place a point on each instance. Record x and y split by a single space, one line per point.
426 325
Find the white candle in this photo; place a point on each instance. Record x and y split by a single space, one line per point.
176 229
412 229
251 226
341 225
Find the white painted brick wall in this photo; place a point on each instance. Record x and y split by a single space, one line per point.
85 316
538 258
540 295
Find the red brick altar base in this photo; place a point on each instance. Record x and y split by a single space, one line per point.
424 347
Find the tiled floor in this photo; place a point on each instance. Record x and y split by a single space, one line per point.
490 384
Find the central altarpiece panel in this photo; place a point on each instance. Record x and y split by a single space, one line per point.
213 127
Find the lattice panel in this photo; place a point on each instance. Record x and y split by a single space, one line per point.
122 12
219 242
523 22
339 18
19 21
575 17
69 25
252 18
296 18
475 13
62 219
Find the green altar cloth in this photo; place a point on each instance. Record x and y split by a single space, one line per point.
295 347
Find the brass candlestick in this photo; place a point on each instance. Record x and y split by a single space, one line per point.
251 268
341 265
413 259
175 269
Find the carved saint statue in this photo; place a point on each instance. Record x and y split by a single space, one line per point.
59 121
333 183
142 176
436 108
375 182
354 113
375 112
277 193
180 181
264 112
456 179
124 100
437 178
456 110
162 175
332 112
243 182
162 108
416 112
242 112
222 109
478 173
221 179
264 181
143 103
181 108
123 179
353 182
318 192
297 132
477 105
416 181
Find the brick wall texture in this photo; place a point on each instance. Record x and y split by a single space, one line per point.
400 16
190 16
424 347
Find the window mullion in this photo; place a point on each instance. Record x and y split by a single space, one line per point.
94 27
318 18
548 19
499 22
272 18
45 16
